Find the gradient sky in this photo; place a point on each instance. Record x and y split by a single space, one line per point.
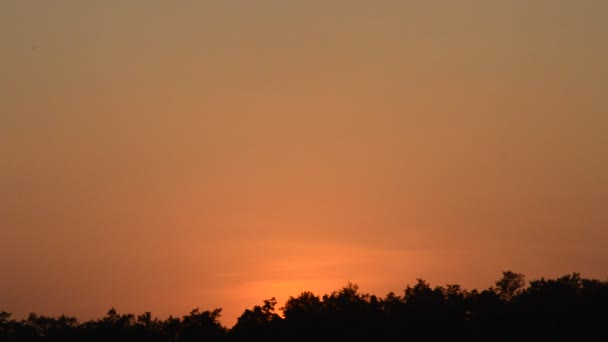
165 155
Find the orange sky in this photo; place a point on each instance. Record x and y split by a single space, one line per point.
162 156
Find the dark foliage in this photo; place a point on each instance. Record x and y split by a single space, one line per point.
569 307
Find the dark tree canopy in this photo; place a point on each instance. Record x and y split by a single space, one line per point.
569 307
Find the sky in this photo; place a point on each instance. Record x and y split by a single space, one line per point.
161 156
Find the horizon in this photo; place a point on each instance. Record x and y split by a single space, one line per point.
279 307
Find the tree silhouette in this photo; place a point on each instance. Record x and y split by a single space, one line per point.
510 285
569 307
202 326
257 323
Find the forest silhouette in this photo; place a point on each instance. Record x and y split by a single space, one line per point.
566 308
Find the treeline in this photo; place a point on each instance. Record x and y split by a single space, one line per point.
569 307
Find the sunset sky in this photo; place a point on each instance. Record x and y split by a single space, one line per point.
166 155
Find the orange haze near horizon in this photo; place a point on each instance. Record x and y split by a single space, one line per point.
164 156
